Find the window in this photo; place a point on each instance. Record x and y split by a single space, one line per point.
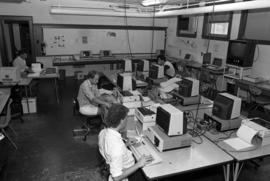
217 26
255 25
187 26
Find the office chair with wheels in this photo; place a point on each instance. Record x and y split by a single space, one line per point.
16 106
89 122
4 123
257 99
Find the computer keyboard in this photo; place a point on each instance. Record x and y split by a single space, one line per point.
145 111
143 148
50 70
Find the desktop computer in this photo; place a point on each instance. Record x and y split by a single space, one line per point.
85 53
226 106
125 81
143 65
189 87
163 142
156 71
9 75
171 120
126 65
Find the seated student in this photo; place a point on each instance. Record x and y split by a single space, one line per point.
113 149
168 66
20 62
90 97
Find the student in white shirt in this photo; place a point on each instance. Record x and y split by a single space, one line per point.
113 149
169 69
90 98
20 61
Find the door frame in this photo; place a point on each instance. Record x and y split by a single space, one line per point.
15 19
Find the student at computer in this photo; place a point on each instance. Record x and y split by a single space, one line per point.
113 149
91 98
168 66
20 61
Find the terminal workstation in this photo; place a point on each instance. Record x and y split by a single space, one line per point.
193 77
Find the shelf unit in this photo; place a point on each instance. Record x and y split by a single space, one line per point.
235 73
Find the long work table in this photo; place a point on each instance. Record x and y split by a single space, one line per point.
96 59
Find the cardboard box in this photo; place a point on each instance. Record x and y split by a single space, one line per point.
31 107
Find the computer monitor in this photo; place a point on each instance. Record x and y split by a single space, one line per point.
156 71
127 65
189 87
9 74
217 62
105 53
85 54
125 81
226 106
241 53
171 120
143 65
188 56
206 58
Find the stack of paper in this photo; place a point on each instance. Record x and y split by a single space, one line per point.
244 140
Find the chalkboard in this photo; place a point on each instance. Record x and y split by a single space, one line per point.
61 41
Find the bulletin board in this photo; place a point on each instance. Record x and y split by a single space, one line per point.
61 41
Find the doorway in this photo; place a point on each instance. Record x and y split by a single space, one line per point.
16 33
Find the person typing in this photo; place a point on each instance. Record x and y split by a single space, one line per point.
113 149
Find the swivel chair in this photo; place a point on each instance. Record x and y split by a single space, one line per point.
16 105
89 122
257 99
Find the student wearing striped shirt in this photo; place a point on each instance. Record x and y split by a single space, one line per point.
113 149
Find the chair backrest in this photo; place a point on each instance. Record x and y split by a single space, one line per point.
254 91
205 75
4 120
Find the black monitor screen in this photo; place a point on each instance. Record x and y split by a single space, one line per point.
86 53
185 87
238 49
163 119
241 53
223 107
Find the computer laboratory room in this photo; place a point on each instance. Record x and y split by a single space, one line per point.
97 90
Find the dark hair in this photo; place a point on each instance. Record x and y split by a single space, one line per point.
92 74
162 57
115 114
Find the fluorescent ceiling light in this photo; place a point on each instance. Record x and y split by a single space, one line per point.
153 2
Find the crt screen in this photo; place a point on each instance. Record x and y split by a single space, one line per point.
237 49
163 119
